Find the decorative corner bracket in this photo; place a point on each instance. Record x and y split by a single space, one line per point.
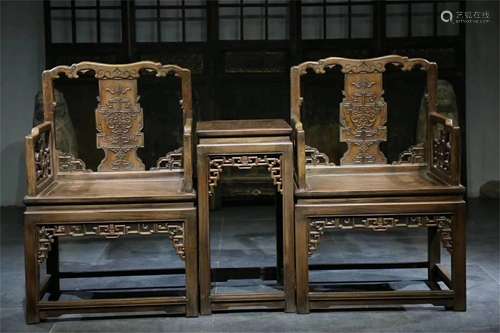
69 163
318 226
217 164
414 154
315 157
171 161
174 231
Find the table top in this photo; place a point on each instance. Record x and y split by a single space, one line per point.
247 127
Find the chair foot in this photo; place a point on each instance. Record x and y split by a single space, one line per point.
32 316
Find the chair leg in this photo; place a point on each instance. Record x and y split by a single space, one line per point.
433 256
32 272
191 266
279 239
458 273
53 270
203 235
302 263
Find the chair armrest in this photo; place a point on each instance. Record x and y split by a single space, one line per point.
444 149
187 155
39 158
300 157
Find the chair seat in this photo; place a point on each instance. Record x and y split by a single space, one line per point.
350 184
124 190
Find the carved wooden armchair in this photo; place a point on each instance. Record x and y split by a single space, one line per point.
422 189
121 198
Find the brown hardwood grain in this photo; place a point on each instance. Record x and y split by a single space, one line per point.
261 145
65 199
235 128
421 190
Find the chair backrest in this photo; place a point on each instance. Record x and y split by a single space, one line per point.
363 111
119 116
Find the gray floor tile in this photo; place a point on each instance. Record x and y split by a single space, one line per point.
245 237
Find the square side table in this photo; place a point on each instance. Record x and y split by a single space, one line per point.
245 144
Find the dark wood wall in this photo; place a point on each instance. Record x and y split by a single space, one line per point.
240 53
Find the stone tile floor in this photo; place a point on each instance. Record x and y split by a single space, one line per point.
243 237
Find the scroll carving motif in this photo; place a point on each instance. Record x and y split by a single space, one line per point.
357 66
363 114
315 157
114 72
318 226
217 164
69 163
119 120
46 234
414 154
441 154
171 161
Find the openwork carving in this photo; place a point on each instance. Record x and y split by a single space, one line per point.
441 154
414 154
318 226
69 163
315 157
217 164
444 226
43 164
174 231
171 161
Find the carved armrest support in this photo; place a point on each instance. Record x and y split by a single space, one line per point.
300 151
444 149
39 158
187 141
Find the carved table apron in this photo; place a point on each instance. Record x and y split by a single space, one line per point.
244 145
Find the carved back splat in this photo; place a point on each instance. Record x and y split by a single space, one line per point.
119 116
119 121
363 111
363 114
